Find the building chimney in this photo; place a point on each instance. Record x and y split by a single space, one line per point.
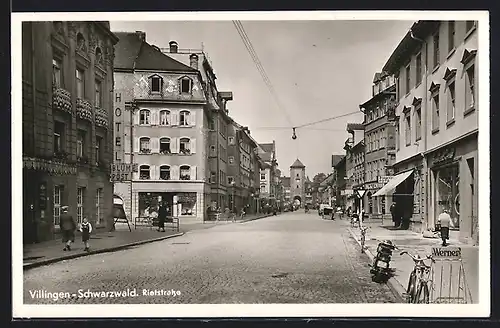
193 61
141 35
173 47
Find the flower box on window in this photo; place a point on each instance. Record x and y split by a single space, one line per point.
185 151
61 99
184 177
144 177
145 151
101 117
165 152
83 109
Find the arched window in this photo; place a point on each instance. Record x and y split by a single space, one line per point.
144 117
155 84
80 42
185 146
186 85
164 117
184 118
98 56
165 146
144 172
185 173
165 172
145 145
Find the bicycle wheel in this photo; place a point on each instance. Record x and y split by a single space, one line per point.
410 290
422 296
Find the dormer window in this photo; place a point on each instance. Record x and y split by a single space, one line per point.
155 84
186 85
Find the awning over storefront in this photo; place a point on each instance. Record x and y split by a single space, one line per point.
390 186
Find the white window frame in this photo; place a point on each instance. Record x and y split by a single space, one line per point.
187 149
58 191
160 84
162 141
147 117
143 168
165 117
148 147
167 169
184 117
80 204
188 170
190 85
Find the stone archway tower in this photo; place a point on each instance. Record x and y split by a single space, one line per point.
297 181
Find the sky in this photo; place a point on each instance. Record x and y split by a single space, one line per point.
318 69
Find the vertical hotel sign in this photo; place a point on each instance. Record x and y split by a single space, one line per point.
118 128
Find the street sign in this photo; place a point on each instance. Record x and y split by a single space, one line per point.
123 171
360 192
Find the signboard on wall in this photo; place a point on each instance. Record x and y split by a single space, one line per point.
383 179
122 172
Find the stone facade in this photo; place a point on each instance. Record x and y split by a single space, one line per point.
67 124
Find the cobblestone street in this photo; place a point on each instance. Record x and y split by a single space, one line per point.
291 258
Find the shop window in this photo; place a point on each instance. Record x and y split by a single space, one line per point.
164 117
165 146
80 198
447 192
144 117
184 118
144 172
165 172
185 146
58 192
185 172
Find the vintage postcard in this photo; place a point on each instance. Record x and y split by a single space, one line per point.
259 164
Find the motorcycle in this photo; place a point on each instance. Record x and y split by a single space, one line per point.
380 269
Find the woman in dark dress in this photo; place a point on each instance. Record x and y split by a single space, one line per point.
162 217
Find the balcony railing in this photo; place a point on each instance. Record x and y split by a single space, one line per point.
83 109
61 100
101 117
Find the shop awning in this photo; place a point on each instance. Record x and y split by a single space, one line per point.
390 186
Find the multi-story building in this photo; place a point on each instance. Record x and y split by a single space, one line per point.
257 164
287 195
168 136
380 146
297 181
267 152
67 124
219 123
340 182
355 169
436 71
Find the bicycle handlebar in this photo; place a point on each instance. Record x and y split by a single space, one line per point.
417 258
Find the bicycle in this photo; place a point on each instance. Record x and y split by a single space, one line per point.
363 238
418 283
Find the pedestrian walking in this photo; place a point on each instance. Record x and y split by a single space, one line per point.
393 214
86 230
162 217
445 222
68 227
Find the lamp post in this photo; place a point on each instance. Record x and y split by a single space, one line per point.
233 186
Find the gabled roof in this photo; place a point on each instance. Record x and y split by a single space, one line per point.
267 147
151 58
126 50
297 164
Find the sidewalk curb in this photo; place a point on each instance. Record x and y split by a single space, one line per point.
253 219
397 289
28 266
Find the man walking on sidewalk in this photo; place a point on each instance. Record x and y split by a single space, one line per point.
444 220
68 227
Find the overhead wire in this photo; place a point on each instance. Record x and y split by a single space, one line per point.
255 58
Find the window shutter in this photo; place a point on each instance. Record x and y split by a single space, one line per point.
155 145
192 118
169 118
157 172
175 117
173 145
154 117
175 172
193 146
136 117
193 172
137 145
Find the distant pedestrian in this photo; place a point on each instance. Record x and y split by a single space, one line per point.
393 214
445 222
68 227
162 217
86 230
